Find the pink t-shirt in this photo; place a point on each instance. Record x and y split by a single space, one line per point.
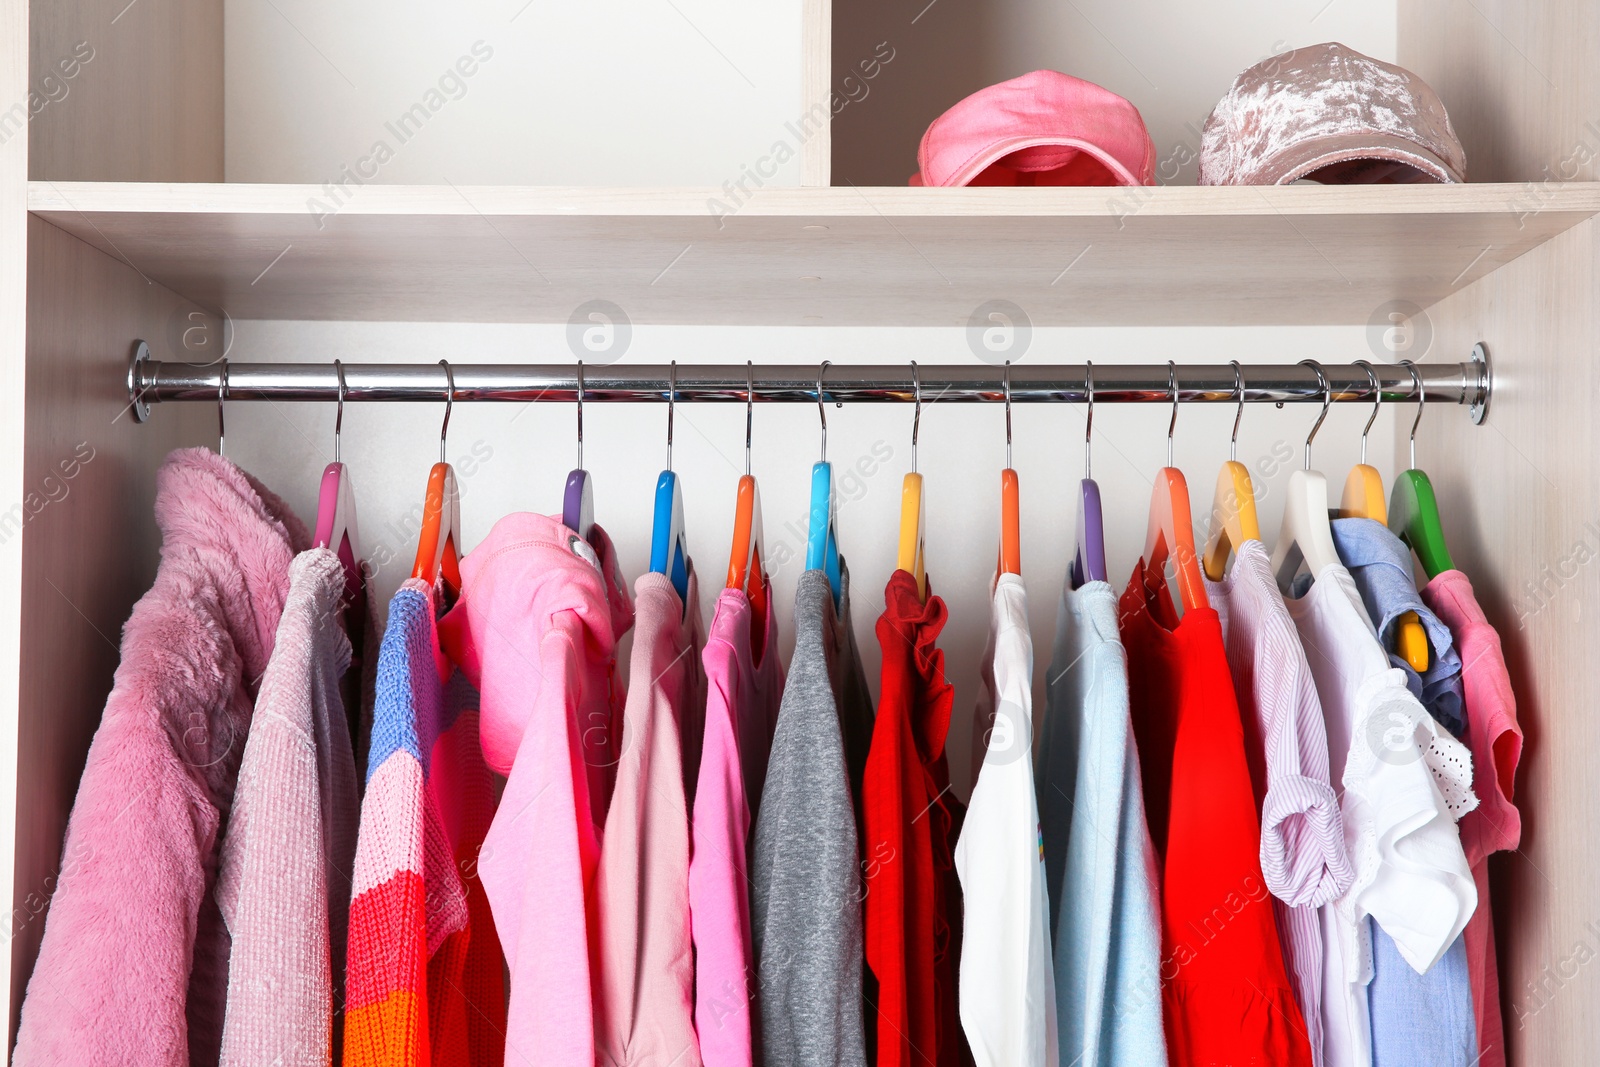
742 695
644 1011
1496 742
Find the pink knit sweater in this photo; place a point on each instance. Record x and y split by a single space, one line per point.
133 926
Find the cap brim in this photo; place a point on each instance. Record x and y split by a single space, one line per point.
1301 160
997 151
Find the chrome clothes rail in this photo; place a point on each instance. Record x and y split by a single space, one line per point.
153 381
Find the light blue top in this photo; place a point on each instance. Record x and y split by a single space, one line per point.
1099 864
1421 1020
1380 563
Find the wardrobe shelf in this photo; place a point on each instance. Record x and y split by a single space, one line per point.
1167 255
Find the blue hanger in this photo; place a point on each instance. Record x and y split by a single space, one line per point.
669 554
1089 560
822 541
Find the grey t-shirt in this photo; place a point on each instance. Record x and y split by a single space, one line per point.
806 875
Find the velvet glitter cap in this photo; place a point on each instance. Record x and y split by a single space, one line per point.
1044 128
1331 114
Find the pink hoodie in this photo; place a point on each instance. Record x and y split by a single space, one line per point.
133 926
536 631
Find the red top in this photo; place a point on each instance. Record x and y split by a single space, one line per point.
911 890
1225 996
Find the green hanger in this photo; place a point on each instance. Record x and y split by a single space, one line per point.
1413 508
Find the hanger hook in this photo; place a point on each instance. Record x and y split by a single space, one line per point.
1172 423
1377 402
672 402
1327 399
449 403
1088 421
916 412
822 411
338 418
1422 400
1008 414
1238 414
222 395
749 410
580 415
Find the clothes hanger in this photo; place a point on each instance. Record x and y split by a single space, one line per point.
1305 534
1089 554
1171 529
1010 501
669 554
747 569
1363 488
822 539
336 503
222 395
1363 499
1413 509
577 505
913 513
1233 505
439 545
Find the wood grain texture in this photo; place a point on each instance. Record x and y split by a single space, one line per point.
13 408
886 257
1520 497
147 104
816 78
89 543
1519 80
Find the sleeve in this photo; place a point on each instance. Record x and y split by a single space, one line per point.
110 983
537 867
1411 781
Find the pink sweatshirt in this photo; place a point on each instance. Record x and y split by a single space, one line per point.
1495 824
645 1012
133 926
536 631
741 709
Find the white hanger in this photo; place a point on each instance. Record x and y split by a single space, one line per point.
1305 535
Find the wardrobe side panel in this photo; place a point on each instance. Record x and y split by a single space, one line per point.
1519 80
89 539
124 90
1520 497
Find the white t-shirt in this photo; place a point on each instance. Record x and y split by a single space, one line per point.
1405 783
1007 988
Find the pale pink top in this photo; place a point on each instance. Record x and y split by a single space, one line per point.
1303 854
1495 824
742 696
644 1010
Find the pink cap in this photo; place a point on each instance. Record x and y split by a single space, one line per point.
1329 113
1044 128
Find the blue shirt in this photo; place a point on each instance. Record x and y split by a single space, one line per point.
1421 1020
1380 563
1099 863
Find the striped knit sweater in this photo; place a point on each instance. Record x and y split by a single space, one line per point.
411 953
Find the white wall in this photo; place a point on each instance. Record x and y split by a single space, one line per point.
625 92
524 454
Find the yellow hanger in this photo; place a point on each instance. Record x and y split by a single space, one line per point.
1363 499
912 511
1233 506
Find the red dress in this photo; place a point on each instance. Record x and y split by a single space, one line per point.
912 896
1225 995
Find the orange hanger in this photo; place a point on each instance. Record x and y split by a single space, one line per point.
1010 505
913 512
1171 529
1363 499
746 565
1233 506
438 546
